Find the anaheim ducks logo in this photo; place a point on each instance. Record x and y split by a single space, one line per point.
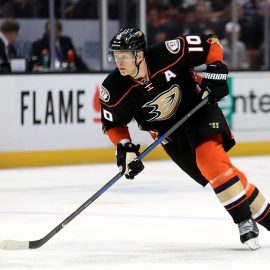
165 104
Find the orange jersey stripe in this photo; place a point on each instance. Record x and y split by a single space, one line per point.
215 53
263 216
183 51
153 135
117 134
199 78
220 170
250 189
236 204
222 178
113 105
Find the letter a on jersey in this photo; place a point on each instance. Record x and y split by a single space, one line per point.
169 74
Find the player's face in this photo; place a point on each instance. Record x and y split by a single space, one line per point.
125 62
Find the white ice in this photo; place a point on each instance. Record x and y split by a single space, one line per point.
160 220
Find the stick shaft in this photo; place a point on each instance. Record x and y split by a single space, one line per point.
38 243
151 147
59 227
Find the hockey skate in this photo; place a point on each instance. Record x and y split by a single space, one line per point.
249 233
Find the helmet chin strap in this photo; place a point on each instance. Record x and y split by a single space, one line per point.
137 65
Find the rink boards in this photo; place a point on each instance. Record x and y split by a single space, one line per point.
52 119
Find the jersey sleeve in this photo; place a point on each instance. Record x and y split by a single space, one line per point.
114 116
199 50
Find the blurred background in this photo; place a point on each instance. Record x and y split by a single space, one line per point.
84 27
53 59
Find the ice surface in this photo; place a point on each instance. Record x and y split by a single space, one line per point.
160 220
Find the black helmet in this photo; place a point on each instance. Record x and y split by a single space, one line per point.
127 39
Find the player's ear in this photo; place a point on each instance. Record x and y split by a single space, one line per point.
140 56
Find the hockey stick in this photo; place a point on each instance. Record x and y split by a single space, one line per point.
14 244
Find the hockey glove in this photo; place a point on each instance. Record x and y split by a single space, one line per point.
127 160
214 83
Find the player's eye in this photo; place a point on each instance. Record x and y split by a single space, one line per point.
120 57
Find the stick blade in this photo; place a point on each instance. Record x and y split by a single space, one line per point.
14 245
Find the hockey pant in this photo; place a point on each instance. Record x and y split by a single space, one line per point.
240 198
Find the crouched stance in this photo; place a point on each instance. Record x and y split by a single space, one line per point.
157 86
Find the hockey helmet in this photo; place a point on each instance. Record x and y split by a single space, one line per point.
127 39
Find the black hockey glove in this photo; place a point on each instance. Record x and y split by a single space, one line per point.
214 83
127 160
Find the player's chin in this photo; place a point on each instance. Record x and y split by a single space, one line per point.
123 72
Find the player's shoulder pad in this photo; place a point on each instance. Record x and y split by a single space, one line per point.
113 88
165 53
168 47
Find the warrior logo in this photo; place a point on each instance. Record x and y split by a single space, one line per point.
165 104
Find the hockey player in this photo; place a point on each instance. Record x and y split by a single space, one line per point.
156 86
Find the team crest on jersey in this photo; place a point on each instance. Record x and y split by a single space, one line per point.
104 94
173 46
165 104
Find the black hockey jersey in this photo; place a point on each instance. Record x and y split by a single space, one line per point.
171 91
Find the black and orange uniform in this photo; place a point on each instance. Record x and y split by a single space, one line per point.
199 146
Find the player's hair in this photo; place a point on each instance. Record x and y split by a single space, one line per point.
9 25
58 25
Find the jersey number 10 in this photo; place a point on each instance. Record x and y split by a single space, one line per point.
194 43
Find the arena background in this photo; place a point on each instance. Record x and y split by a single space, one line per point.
53 117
